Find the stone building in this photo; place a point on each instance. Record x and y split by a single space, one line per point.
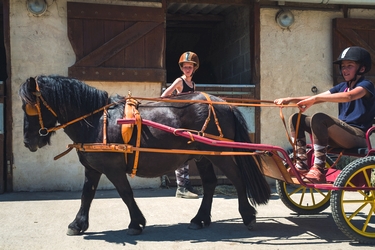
244 53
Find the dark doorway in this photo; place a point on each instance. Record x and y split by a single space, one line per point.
196 38
3 77
219 34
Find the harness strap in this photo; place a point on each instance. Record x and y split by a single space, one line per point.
113 147
138 142
44 131
129 112
83 117
242 103
211 108
127 129
39 94
105 117
62 154
211 136
292 143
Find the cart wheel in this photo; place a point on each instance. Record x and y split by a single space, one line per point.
304 200
353 211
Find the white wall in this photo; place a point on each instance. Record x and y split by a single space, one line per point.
40 45
295 60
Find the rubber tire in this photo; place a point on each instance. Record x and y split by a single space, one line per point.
342 209
290 195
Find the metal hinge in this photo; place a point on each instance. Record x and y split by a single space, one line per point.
9 167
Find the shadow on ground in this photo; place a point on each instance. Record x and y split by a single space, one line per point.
268 231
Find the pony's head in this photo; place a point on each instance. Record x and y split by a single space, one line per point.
38 116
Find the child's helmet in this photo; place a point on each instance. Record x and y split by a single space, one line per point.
357 54
189 57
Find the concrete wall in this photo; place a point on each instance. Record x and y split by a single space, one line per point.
295 60
40 45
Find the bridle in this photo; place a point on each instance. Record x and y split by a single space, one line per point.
35 110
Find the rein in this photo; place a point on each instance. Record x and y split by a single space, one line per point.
292 143
43 131
245 102
35 109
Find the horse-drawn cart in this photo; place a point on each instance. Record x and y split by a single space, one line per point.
169 132
350 191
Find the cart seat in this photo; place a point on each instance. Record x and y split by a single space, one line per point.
360 152
350 151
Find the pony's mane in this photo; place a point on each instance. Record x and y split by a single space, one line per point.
64 93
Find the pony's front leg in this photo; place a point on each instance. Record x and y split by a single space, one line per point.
81 222
209 182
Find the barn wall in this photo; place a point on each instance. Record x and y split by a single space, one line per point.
40 45
292 61
295 60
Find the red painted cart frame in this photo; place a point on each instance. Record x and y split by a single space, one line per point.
273 158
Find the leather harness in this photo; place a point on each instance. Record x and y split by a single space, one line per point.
130 111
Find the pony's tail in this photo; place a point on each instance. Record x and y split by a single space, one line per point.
257 187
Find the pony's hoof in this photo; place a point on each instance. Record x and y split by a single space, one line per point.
72 232
132 231
251 225
194 226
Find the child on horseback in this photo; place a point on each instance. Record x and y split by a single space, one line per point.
356 99
189 63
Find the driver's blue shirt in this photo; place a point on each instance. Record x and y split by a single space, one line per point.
359 113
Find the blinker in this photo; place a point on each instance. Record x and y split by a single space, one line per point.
31 110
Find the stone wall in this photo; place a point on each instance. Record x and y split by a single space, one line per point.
231 47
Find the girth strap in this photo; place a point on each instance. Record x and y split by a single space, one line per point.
131 111
138 142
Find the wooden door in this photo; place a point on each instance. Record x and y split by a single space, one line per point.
353 32
117 43
6 153
3 168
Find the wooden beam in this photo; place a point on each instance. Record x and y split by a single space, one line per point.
118 74
254 21
112 12
6 181
217 2
194 18
189 26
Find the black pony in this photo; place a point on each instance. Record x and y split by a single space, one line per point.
52 100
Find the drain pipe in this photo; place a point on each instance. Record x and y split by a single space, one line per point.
348 2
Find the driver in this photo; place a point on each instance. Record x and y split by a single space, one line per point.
355 97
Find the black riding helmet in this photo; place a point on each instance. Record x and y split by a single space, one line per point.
357 54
